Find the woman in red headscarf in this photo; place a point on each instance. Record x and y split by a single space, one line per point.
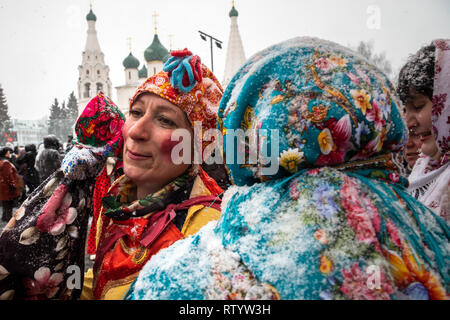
159 199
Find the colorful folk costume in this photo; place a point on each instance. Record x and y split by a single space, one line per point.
334 220
130 230
42 246
430 179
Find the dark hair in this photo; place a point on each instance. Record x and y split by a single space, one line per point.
417 75
4 151
30 147
51 142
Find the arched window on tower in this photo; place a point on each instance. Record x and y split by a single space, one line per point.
154 70
129 75
87 89
99 86
87 72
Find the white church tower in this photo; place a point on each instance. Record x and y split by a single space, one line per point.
93 72
235 51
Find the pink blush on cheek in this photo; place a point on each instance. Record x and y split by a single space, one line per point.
125 131
167 147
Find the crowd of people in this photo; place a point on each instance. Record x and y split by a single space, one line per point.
338 209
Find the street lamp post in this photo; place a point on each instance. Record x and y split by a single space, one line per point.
217 42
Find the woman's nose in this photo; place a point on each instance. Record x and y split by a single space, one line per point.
140 130
409 143
411 121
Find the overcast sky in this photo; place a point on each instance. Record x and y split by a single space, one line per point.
42 40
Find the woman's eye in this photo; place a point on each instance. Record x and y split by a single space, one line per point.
135 113
166 121
419 107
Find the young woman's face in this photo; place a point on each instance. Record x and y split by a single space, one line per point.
411 152
147 142
418 119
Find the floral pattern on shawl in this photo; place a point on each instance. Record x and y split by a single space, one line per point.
345 231
441 96
340 109
100 124
322 234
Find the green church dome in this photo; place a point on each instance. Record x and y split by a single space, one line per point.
91 16
156 51
233 12
131 62
143 72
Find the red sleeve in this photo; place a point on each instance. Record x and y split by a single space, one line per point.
11 174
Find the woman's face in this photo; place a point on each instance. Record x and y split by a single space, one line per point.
418 120
412 147
148 146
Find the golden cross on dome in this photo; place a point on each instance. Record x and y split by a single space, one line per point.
129 42
170 37
155 15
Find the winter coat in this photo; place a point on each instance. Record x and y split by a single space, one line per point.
30 174
10 181
49 161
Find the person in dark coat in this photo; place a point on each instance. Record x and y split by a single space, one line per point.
49 160
30 174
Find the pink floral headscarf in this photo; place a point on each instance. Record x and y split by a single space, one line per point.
441 96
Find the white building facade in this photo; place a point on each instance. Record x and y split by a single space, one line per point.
29 131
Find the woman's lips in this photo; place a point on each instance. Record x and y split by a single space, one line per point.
137 156
412 155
